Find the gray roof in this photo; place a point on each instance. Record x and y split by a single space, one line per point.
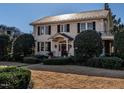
86 15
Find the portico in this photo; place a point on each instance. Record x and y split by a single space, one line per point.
61 44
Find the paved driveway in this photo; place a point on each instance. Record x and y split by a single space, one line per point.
81 70
12 64
73 69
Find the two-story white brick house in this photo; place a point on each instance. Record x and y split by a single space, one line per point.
57 33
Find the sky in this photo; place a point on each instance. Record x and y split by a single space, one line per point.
21 15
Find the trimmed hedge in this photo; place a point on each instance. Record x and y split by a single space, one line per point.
59 61
105 62
31 60
14 78
41 57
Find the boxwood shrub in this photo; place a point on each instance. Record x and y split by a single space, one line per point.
59 61
31 60
14 78
105 62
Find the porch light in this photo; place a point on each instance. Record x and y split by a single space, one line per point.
55 46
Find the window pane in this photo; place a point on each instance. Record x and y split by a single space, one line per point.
65 28
48 46
42 46
82 26
89 26
61 28
46 30
42 29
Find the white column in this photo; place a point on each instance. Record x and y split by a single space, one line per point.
67 45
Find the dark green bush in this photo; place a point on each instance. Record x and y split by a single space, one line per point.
59 61
41 57
87 44
119 44
105 62
14 78
6 58
31 60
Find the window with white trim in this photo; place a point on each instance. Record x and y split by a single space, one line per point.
90 26
42 30
65 28
82 27
47 46
42 46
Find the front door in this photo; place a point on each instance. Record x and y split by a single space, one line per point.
63 50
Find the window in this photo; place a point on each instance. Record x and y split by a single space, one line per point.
47 30
82 27
42 30
38 30
42 46
64 28
38 46
48 46
89 26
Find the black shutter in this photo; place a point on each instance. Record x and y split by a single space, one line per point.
49 30
78 27
38 46
38 29
68 27
94 25
49 46
58 28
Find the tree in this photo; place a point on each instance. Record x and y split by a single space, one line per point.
87 44
118 26
119 44
4 42
23 45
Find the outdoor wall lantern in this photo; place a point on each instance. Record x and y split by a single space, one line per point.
55 46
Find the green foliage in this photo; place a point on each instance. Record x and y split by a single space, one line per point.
14 78
41 57
87 44
119 44
4 42
23 46
59 61
105 62
31 60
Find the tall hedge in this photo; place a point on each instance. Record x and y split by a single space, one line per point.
87 44
119 44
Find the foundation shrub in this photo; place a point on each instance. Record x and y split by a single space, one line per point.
59 61
105 62
31 60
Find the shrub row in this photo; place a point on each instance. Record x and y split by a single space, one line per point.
105 62
34 59
31 60
59 61
14 78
